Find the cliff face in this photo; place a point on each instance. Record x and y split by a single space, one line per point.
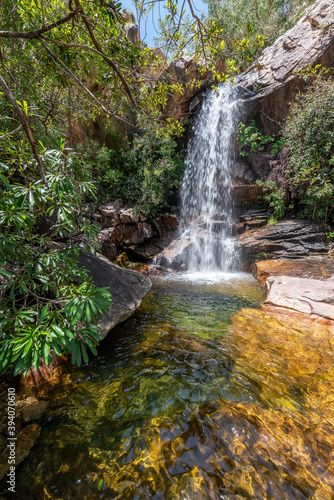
272 77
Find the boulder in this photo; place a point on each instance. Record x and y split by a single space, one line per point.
319 268
127 289
32 409
307 296
26 439
272 77
287 238
124 228
175 255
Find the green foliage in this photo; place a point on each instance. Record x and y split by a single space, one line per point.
144 174
249 26
252 141
309 135
47 300
276 198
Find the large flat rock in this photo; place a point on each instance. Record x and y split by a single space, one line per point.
127 289
320 268
306 296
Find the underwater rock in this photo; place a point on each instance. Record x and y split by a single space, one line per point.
26 439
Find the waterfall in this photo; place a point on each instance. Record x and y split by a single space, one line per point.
206 191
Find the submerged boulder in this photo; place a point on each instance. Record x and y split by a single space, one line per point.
127 289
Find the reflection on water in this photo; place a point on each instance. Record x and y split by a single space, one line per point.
179 405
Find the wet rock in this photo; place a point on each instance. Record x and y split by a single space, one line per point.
306 296
127 289
246 195
170 222
273 76
39 382
176 254
319 268
32 409
26 439
287 238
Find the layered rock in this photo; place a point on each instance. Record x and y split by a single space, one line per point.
288 238
273 76
193 80
319 268
125 229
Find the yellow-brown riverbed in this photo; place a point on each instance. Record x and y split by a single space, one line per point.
191 399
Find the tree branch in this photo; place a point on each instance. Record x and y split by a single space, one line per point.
10 133
69 73
29 35
24 122
111 63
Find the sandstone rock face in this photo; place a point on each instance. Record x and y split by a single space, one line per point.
127 289
183 71
125 229
319 268
288 238
306 296
272 76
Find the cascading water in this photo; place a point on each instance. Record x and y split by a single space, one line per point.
206 192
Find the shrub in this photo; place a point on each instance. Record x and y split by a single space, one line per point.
143 174
46 300
252 141
309 135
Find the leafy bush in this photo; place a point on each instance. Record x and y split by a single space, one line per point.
46 301
144 174
275 196
243 22
309 135
252 141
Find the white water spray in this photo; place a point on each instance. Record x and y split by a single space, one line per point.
206 192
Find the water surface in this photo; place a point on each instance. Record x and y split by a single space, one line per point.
180 404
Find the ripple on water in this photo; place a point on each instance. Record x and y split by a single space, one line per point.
181 404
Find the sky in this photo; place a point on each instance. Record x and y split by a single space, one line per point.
157 12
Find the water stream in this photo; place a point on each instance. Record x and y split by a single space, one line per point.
181 405
191 399
206 191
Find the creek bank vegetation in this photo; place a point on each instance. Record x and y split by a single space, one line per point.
302 182
83 120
